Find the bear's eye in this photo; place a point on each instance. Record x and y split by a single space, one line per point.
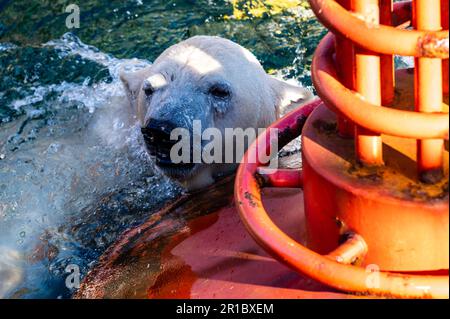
220 91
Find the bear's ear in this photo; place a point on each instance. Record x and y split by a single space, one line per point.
288 96
132 82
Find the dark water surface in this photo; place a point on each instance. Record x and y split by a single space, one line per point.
73 174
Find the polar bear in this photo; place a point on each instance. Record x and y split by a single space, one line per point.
213 81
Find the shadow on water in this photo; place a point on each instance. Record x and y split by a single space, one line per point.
73 173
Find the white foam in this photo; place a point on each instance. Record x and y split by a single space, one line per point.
91 96
6 46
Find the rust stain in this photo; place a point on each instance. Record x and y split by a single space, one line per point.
251 199
371 173
433 46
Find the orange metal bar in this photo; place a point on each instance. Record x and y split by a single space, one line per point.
346 71
444 22
352 250
428 91
382 39
290 178
368 83
386 60
343 101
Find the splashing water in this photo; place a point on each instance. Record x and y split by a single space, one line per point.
72 181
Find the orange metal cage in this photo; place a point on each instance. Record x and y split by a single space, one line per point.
353 73
366 47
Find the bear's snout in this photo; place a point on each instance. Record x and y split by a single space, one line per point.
157 138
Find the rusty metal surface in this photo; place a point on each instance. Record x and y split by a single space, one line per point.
206 253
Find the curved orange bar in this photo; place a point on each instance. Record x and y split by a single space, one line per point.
379 38
288 251
350 251
288 178
373 117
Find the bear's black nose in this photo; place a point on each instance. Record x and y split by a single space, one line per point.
157 139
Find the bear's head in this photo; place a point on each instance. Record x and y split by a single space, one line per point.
192 94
